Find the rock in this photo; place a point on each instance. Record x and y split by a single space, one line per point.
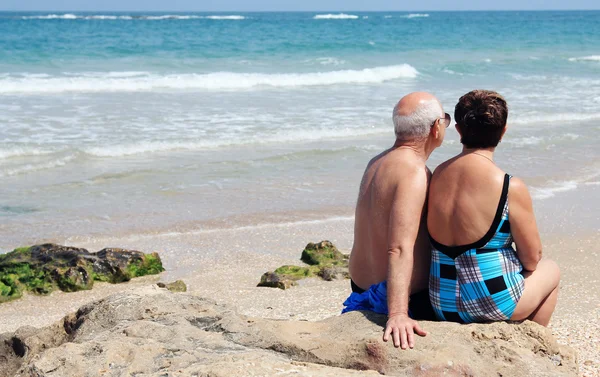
176 286
323 259
41 269
73 279
334 272
323 253
275 280
151 331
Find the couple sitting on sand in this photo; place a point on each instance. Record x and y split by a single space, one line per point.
439 246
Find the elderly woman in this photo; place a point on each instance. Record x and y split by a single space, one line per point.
476 212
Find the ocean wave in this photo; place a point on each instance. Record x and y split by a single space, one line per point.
553 118
451 72
537 140
67 16
331 61
169 17
415 15
110 82
233 17
70 16
101 17
525 141
593 58
541 193
341 16
30 168
16 152
153 147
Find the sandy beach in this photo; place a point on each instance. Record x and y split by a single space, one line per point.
225 264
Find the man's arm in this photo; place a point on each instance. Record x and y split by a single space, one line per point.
404 223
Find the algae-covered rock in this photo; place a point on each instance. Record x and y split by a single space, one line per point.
286 276
176 286
273 280
323 260
43 268
334 272
73 279
323 254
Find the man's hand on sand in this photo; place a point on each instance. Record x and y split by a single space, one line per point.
402 328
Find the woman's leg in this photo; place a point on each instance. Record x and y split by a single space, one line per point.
540 294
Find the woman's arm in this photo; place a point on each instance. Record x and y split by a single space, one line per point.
523 226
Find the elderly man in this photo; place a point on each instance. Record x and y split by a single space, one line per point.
389 264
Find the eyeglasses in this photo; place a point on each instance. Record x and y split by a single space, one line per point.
447 118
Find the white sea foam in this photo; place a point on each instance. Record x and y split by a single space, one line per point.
451 72
341 16
151 147
525 141
549 192
67 16
112 82
593 58
331 61
123 74
415 15
387 16
232 17
101 17
29 168
170 17
553 118
7 153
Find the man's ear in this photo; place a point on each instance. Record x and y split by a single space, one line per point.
435 130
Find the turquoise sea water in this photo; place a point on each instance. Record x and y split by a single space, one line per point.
131 121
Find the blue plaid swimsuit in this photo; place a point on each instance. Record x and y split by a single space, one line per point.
480 282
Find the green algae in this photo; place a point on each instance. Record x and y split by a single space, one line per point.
4 289
323 254
44 268
322 260
150 265
297 272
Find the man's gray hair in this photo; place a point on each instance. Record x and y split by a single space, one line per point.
417 125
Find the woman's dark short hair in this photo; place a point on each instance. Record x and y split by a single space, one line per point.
481 116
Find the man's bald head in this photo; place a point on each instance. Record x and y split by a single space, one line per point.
414 115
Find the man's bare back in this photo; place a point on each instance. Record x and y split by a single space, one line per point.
391 245
369 258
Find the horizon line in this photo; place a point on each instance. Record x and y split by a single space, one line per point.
304 11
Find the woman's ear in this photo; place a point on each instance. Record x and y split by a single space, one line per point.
503 131
459 129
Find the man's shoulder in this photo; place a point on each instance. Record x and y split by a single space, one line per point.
404 164
400 171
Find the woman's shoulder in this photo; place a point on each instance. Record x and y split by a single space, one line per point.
518 191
